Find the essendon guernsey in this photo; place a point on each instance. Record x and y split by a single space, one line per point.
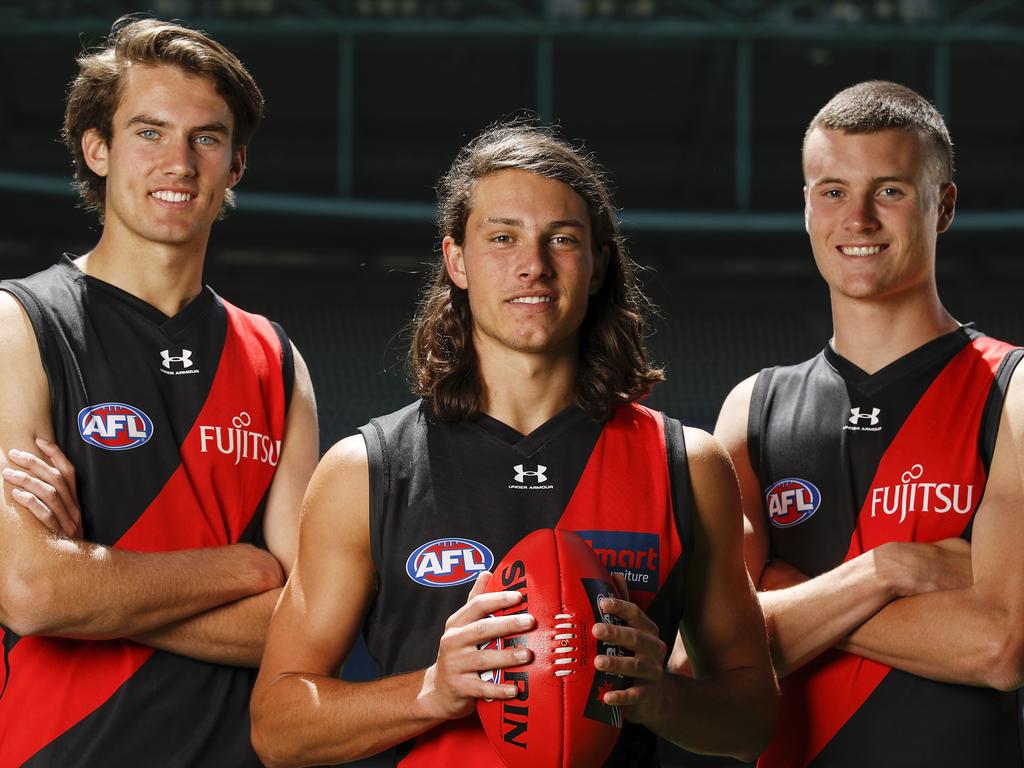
174 426
449 500
848 461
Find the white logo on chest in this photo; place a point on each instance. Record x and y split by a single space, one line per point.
912 497
240 442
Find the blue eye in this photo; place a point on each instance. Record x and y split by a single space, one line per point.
149 134
206 141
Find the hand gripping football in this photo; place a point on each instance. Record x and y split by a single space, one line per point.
558 720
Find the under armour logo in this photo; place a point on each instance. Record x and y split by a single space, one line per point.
856 415
522 474
185 359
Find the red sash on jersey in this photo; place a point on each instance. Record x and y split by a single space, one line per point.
626 484
819 698
209 500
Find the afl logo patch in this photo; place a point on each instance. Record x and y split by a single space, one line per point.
791 501
114 426
448 562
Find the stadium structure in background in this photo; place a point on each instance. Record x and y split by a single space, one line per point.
696 108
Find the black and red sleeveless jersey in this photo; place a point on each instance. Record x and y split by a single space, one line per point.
174 426
448 500
848 461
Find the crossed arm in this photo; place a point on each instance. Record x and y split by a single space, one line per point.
211 603
948 610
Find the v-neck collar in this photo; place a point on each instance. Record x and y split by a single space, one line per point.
527 445
871 383
170 325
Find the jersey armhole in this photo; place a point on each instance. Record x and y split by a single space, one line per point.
377 465
679 480
755 415
994 406
287 364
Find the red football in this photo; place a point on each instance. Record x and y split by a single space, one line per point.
558 720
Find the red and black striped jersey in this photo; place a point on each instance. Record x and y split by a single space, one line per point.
848 461
174 426
448 500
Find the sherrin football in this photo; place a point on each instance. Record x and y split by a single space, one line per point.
558 719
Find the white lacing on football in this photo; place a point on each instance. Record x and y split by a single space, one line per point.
566 642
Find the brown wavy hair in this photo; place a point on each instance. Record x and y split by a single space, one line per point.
613 367
95 93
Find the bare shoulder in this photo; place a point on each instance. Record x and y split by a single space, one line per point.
739 396
345 456
731 426
22 380
711 470
16 334
1008 460
338 497
303 382
1013 408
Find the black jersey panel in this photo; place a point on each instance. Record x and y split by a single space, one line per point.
756 417
682 488
473 494
165 733
376 458
826 426
114 352
287 362
965 726
994 406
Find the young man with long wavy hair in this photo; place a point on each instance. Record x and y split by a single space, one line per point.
529 359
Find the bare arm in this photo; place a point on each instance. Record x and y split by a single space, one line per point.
729 706
301 713
235 633
52 585
973 634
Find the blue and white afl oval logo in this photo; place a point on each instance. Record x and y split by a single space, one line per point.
448 562
791 501
114 426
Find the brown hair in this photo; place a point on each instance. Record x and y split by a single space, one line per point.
613 366
879 105
94 94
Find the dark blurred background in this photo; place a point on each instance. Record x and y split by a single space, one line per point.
696 108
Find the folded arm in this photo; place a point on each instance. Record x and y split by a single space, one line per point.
235 633
54 585
972 634
905 604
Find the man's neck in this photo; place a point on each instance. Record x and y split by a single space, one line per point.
872 333
166 277
524 391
